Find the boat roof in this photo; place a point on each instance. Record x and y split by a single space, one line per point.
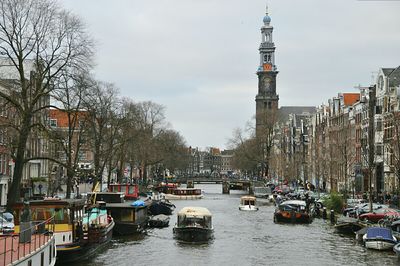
383 232
248 198
194 211
55 201
124 205
294 202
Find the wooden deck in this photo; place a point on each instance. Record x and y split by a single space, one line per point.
11 250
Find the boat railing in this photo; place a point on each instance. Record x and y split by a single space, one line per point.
14 247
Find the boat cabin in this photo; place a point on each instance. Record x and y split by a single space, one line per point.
186 191
67 214
194 217
248 200
131 191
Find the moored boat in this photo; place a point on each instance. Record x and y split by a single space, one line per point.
30 246
130 217
185 194
194 224
159 221
76 237
248 203
292 211
379 238
348 225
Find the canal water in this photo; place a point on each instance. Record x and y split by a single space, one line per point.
241 238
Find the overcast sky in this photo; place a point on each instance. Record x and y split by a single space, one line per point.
198 58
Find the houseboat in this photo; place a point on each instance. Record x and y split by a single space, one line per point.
185 194
292 211
130 191
79 231
379 238
193 225
130 217
248 203
30 247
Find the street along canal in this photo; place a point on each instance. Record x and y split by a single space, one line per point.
241 238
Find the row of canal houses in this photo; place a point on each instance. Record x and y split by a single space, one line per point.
330 147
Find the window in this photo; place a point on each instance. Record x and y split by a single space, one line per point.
53 122
379 149
42 259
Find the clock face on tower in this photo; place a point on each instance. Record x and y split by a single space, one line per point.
267 83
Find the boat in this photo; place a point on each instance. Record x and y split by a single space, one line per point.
30 245
292 211
159 221
161 206
396 249
184 194
262 192
194 224
79 231
348 225
248 203
379 238
130 191
130 217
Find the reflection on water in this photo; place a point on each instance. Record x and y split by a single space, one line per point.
241 238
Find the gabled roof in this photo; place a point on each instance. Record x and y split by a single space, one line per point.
394 77
387 71
350 98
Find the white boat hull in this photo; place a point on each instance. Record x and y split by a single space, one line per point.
248 208
182 197
379 245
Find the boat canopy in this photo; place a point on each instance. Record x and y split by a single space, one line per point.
294 202
379 232
194 212
248 198
138 203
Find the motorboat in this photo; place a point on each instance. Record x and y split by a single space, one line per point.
248 203
194 224
380 238
292 211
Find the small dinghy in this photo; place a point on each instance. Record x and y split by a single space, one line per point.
348 225
379 238
159 221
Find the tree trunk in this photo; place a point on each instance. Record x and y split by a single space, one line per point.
14 191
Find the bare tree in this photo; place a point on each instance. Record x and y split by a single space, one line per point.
40 34
101 104
70 139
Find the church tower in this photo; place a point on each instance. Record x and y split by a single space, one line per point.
266 99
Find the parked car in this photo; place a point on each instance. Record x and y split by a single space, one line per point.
379 214
6 224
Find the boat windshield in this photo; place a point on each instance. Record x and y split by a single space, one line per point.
195 221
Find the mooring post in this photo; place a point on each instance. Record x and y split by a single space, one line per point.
324 214
332 217
225 187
